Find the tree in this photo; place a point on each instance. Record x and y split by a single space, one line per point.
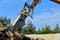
57 29
29 28
46 30
5 21
39 31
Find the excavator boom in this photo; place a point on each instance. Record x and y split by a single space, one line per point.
20 21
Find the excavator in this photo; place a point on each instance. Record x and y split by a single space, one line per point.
12 33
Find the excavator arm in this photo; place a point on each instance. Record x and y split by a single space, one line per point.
20 21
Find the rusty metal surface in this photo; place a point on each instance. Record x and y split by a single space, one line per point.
56 1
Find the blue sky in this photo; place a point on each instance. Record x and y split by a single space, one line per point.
45 13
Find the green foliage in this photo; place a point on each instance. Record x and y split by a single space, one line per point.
39 31
28 29
46 30
5 21
57 29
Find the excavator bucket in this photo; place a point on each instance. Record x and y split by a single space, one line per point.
57 1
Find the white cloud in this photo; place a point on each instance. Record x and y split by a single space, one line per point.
47 18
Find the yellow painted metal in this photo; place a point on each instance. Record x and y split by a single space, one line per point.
34 3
